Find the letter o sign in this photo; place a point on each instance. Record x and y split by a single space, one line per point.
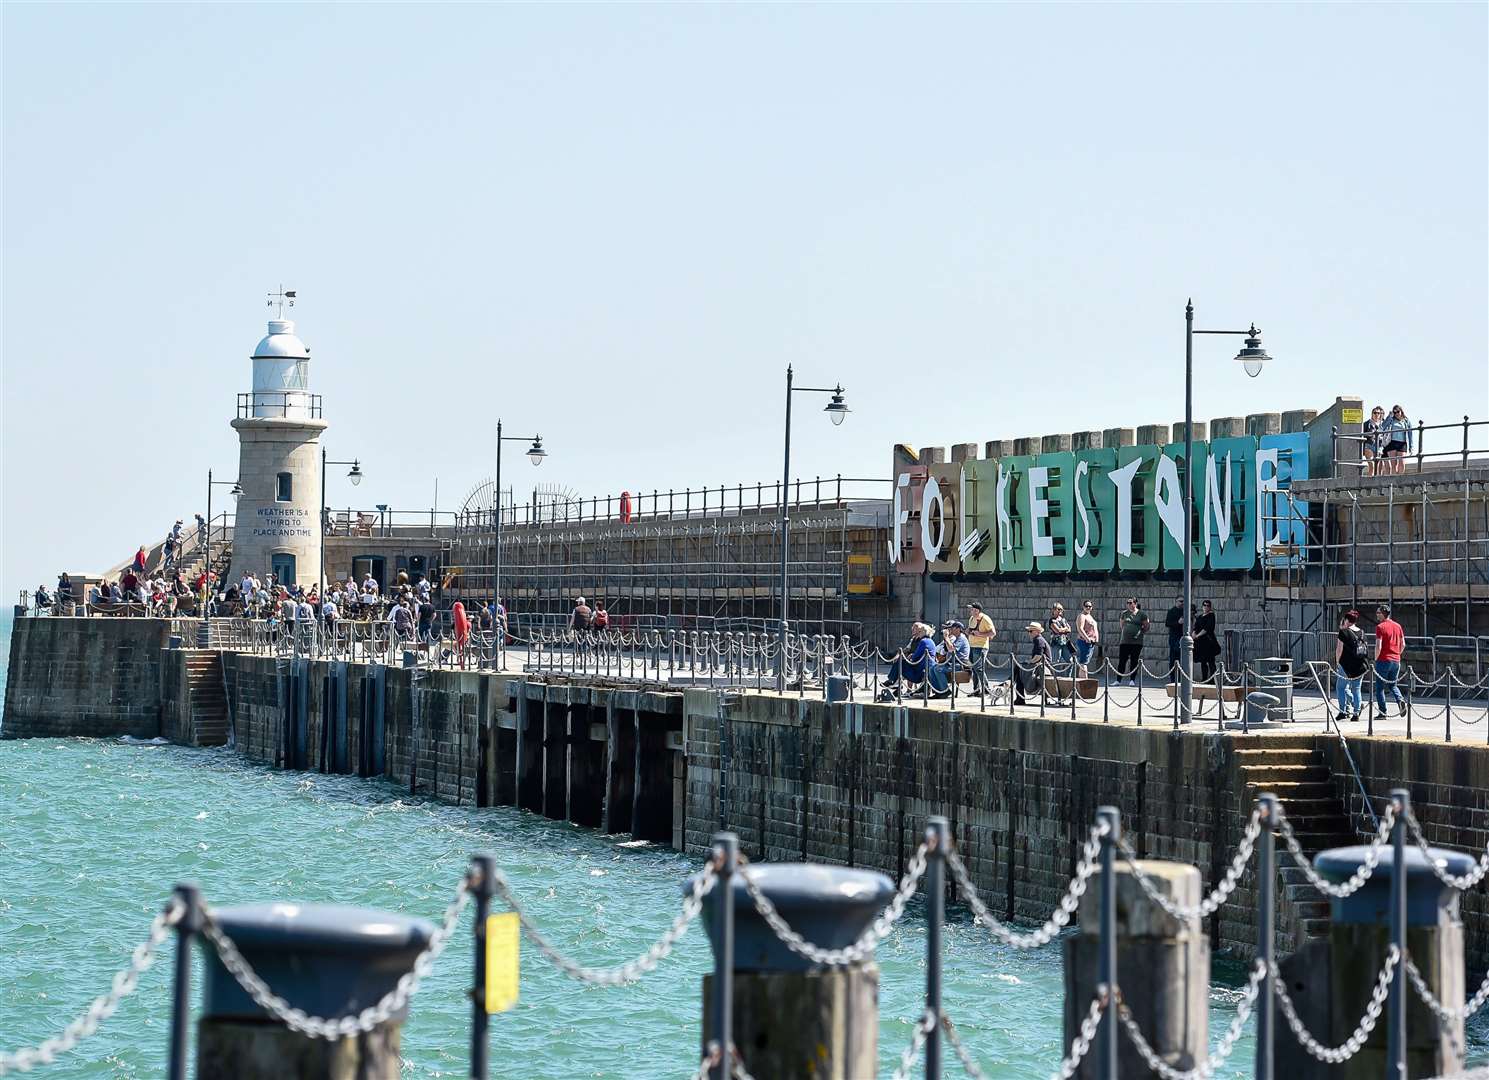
932 520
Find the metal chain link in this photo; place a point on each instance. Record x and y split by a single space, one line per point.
1360 876
103 1006
709 1060
864 947
1080 1046
923 1028
1057 921
1210 904
1223 1048
1350 1046
1445 1014
969 1063
633 969
317 1027
1462 884
736 1065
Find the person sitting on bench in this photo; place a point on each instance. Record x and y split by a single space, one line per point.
1031 680
954 655
916 664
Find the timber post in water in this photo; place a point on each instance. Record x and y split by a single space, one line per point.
325 959
794 1019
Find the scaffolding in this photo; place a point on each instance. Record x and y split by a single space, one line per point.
693 559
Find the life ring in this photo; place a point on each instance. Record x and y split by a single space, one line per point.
625 506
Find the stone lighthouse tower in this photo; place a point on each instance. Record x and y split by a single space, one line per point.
279 427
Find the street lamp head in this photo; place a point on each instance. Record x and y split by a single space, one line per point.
836 408
535 452
355 476
1252 356
237 491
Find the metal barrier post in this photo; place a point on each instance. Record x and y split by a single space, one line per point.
1448 709
483 875
1266 933
1106 1037
187 928
726 850
1396 1024
937 837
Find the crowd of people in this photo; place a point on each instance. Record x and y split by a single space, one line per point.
1056 644
1386 441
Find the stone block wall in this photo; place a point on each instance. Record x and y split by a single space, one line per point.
99 676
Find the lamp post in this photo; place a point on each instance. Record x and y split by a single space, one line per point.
236 492
839 412
355 476
535 454
1251 357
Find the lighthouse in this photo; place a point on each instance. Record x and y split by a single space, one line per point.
279 427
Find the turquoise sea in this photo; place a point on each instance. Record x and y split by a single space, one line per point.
95 832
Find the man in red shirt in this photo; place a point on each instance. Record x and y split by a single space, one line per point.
1389 641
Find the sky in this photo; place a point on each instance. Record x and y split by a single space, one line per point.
617 224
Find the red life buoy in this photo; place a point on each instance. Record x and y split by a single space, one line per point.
625 506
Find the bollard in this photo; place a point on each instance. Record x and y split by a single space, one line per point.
1423 912
937 837
187 928
327 959
790 1018
1164 966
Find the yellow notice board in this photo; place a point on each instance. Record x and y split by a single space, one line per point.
502 943
1351 416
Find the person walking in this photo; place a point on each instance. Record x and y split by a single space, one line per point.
1206 642
1351 660
980 633
1134 623
1173 622
1087 637
1390 639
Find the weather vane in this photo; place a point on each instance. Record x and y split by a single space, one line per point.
284 298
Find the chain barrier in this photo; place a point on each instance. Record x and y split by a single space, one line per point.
632 970
1350 1046
1360 876
923 1028
1462 884
1057 921
969 1063
1210 904
346 1026
1080 1046
707 1062
862 949
736 1065
103 1006
1223 1049
1443 1013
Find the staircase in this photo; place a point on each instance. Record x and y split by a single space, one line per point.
204 681
1304 783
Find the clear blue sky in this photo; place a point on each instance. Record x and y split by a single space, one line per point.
617 224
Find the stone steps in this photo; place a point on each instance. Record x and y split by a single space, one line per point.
209 715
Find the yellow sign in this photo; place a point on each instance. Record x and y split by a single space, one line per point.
1351 416
501 961
860 575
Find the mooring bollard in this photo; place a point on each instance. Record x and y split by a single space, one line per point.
327 959
1413 908
1163 967
791 1018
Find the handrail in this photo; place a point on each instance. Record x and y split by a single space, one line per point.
1464 452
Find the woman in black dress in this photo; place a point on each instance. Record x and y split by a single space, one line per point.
1206 642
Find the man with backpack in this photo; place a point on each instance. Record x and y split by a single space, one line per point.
1352 660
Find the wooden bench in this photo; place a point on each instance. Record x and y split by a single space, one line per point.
1087 689
1207 692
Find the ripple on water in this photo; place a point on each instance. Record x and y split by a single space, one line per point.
96 832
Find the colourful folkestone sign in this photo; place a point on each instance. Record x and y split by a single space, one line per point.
1095 511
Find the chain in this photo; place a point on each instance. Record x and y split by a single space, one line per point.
1462 884
1351 1046
103 1006
862 949
1080 1046
622 973
736 1064
1445 1014
923 1028
1223 1049
345 1026
1210 904
969 1063
1360 876
1069 903
709 1060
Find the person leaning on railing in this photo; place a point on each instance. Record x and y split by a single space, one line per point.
1397 435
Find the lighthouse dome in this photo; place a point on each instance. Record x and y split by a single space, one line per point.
281 343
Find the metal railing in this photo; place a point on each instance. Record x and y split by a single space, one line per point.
1456 440
281 403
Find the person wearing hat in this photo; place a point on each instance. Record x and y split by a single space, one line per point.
980 632
1030 680
953 655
